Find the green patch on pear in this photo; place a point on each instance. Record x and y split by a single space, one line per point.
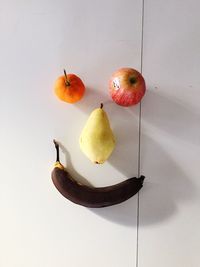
97 140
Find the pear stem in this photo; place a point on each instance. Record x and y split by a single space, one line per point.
57 151
101 106
67 83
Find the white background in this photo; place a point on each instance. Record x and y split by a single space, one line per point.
38 227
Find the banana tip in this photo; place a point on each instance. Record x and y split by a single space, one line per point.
142 177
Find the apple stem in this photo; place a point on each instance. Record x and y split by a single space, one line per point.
66 79
133 80
101 106
57 151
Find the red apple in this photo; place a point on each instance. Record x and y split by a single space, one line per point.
127 87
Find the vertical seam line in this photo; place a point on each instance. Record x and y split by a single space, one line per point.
139 140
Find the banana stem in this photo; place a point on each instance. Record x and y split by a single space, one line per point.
66 79
101 105
57 151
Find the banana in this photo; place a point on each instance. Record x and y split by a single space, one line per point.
89 196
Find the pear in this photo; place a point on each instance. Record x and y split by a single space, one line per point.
97 140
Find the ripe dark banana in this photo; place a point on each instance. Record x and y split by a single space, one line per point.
92 197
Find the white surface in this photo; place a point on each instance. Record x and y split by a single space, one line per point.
38 39
169 204
92 39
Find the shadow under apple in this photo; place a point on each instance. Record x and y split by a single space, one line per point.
171 116
125 126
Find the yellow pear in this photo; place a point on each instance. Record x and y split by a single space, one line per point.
97 140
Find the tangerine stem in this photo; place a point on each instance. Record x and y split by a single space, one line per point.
66 79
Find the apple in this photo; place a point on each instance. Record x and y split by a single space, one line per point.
127 87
